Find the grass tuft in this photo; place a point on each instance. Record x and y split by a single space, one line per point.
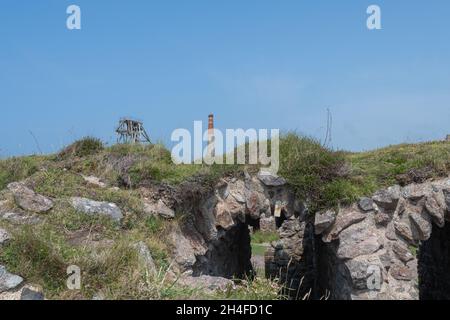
19 168
84 147
311 170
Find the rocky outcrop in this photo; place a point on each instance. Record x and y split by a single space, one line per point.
158 208
28 200
30 293
209 284
267 224
367 250
94 181
146 258
324 220
363 251
8 281
271 180
25 292
92 207
4 236
20 218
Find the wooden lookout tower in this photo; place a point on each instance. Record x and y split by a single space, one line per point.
131 131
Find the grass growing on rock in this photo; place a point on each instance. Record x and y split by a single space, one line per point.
105 254
41 253
327 178
39 256
400 164
308 166
59 183
317 174
68 222
19 168
321 176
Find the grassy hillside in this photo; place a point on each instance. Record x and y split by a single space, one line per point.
323 177
328 178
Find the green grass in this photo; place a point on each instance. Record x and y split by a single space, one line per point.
42 253
153 224
313 171
322 177
67 221
153 163
84 147
259 237
258 249
327 178
260 240
252 289
413 250
151 171
58 183
42 256
399 164
39 257
19 168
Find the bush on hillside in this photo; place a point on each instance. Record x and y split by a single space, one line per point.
312 170
82 148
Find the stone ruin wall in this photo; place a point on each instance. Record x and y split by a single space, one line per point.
394 245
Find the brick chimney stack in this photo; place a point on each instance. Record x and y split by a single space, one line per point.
210 123
211 140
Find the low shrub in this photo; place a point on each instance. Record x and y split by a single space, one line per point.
81 148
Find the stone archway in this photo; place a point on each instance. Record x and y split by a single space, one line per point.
216 234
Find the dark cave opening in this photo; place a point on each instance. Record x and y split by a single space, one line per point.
253 223
230 255
434 265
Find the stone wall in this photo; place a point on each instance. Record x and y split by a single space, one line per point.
214 239
363 251
292 259
368 250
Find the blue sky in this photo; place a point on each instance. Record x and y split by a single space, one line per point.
253 63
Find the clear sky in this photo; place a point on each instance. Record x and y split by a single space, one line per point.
253 63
